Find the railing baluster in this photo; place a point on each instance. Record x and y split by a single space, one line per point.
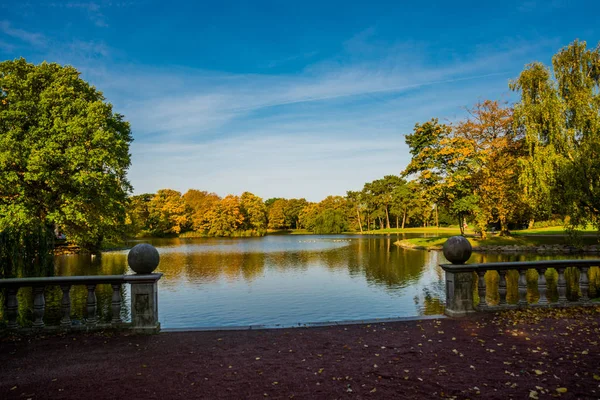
502 287
523 288
460 279
542 286
144 300
481 290
584 284
12 308
65 321
91 306
116 304
39 306
562 286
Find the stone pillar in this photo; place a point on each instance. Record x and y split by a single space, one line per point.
143 259
144 306
459 294
459 280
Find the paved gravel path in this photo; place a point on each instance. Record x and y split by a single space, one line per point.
520 355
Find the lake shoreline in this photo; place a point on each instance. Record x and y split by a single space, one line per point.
438 358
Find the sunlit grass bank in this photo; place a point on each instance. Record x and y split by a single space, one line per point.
518 242
552 230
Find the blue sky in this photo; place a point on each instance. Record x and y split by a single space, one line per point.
286 98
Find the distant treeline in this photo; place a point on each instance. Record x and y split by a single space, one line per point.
384 203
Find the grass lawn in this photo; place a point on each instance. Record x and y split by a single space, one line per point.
438 241
551 230
525 237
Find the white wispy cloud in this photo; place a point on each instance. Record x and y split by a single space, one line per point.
35 39
192 104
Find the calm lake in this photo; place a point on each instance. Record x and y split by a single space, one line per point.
275 280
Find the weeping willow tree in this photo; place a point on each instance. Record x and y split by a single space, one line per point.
559 112
26 252
330 221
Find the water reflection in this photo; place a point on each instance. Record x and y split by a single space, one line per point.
287 280
295 280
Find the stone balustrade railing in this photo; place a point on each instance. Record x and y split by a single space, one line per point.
144 305
462 280
143 259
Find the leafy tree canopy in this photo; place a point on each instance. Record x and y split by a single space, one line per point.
64 154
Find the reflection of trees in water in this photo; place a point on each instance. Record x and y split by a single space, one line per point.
83 264
378 259
432 302
383 263
210 267
286 261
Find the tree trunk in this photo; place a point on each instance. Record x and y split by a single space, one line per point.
397 221
531 222
359 221
437 220
387 217
404 218
461 225
368 222
380 223
504 227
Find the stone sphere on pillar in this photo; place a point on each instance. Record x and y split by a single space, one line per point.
457 249
143 258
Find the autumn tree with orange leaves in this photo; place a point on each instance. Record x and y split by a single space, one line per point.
497 148
471 168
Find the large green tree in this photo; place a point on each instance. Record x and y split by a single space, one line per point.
442 162
64 154
559 112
